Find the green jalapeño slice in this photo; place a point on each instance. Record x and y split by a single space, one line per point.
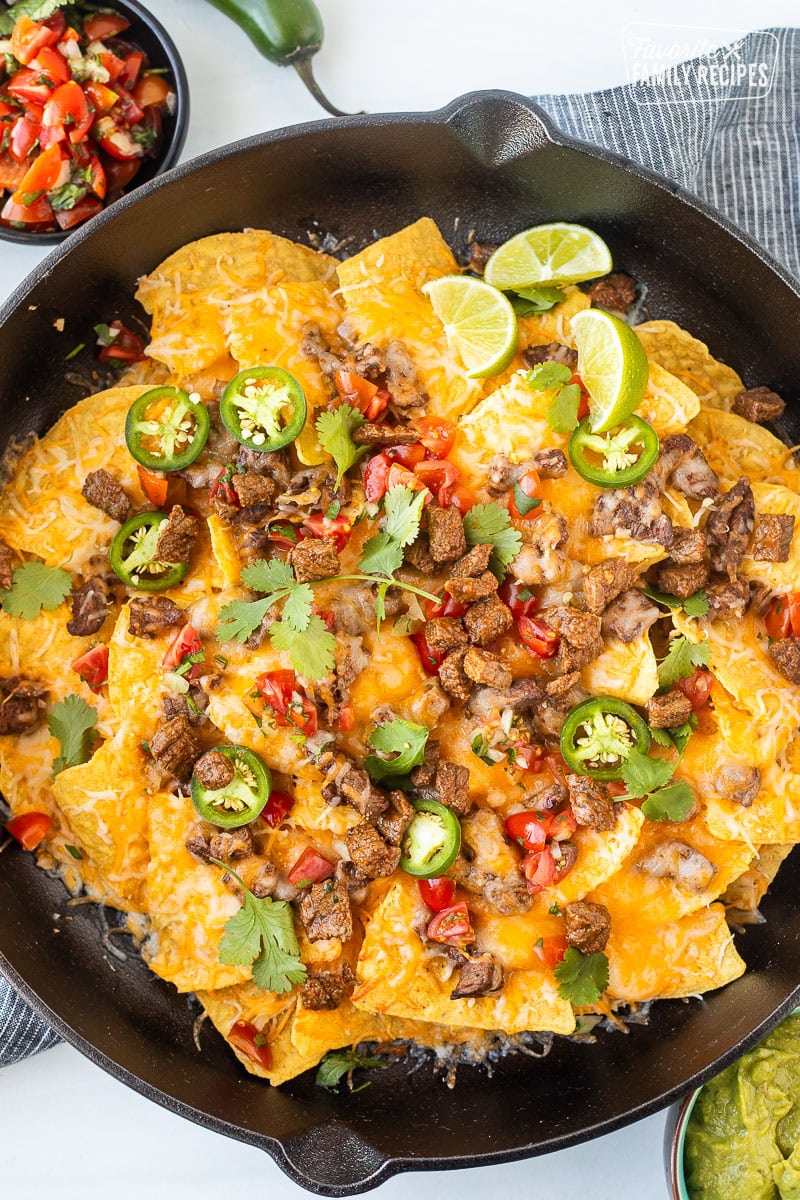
432 841
264 408
599 735
166 428
615 459
243 790
134 557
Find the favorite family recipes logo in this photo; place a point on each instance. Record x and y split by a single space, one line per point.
673 64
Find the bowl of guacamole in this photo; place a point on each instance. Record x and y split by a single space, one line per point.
738 1137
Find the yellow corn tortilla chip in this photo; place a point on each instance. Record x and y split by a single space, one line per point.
734 445
690 359
779 577
136 686
314 1033
539 329
668 404
671 959
747 892
223 547
272 1016
773 815
625 669
511 420
381 288
601 854
238 726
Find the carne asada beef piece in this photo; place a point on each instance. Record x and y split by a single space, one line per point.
772 540
555 352
668 711
759 404
488 866
550 463
232 844
177 538
176 706
22 704
682 581
590 802
728 527
270 463
314 345
688 546
314 558
468 589
630 616
727 599
479 255
368 362
253 489
474 562
633 512
578 628
425 774
479 975
785 654
446 538
453 677
604 582
356 788
198 840
560 687
214 770
376 434
101 490
418 555
89 607
325 911
393 823
522 696
149 616
327 989
682 464
401 377
444 634
253 517
370 854
269 881
481 666
616 292
487 620
574 658
686 867
738 783
7 564
175 748
503 473
452 787
587 926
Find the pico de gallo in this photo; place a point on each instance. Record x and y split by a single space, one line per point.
81 109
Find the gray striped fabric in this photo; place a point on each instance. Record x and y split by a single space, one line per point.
725 126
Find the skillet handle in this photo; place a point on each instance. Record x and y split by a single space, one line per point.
331 1160
498 126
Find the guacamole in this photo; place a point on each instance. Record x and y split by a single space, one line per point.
743 1137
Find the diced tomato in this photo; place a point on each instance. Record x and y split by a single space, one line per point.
70 34
97 177
38 213
583 406
25 85
42 175
154 485
697 688
127 346
328 616
529 758
452 926
11 173
346 720
246 1038
355 390
430 660
29 828
120 172
562 826
132 69
151 89
29 37
127 110
114 65
528 829
380 401
539 869
88 207
222 488
100 26
440 476
462 498
116 140
7 110
92 667
557 768
517 596
783 616
400 476
409 456
56 24
102 97
446 606
68 108
52 64
51 135
330 529
538 637
437 435
278 807
280 692
283 534
438 893
311 867
551 949
531 485
376 478
185 643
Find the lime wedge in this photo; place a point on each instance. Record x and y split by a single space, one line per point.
554 254
478 320
612 364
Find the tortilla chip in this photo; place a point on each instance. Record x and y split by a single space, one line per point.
271 1015
747 892
777 576
136 686
690 359
601 855
625 669
381 288
223 547
314 1033
540 329
511 420
668 404
734 445
667 960
311 812
279 750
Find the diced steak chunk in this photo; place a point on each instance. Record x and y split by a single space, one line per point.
358 790
683 581
214 770
479 975
7 564
314 345
629 616
418 555
772 540
522 696
149 616
401 377
668 711
198 840
177 538
479 255
578 628
231 844
759 404
785 653
393 823
452 787
604 582
252 488
313 558
587 926
634 512
270 463
682 463
101 490
503 473
738 783
175 747
484 667
574 658
446 534
487 620
370 854
89 607
551 352
690 870
591 804
372 433
728 527
425 774
728 599
453 677
616 291
550 463
469 588
688 546
327 989
474 563
444 634
22 704
325 911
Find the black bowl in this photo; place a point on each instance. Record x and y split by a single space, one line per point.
488 161
150 34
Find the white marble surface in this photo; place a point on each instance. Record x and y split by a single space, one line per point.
67 1128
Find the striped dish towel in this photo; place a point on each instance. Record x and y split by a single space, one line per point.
725 126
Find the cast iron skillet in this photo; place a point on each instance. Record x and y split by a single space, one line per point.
489 160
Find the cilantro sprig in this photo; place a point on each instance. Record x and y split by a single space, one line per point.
262 933
490 524
383 553
683 659
335 432
404 740
339 1063
649 778
527 301
562 411
693 606
73 722
582 978
34 587
36 10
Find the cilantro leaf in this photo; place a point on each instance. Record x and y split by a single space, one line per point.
383 553
262 933
524 502
662 738
240 618
105 334
582 978
338 1063
73 722
36 10
297 609
335 432
535 300
673 803
403 739
642 774
684 656
268 576
693 606
490 523
562 411
34 587
547 375
311 650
